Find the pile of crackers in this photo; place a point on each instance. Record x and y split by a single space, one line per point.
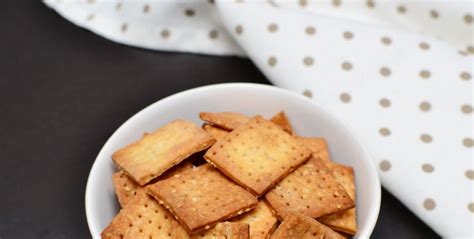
234 177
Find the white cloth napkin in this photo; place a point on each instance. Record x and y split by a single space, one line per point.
398 73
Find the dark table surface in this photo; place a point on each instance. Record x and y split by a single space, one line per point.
65 90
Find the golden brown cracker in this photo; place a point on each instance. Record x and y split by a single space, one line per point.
226 230
157 152
125 187
143 218
225 120
344 221
319 147
281 120
261 221
257 155
215 132
202 197
304 227
310 190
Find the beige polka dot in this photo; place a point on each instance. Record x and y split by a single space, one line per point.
427 168
272 61
213 34
429 204
146 8
308 93
385 71
91 1
465 76
336 3
425 74
90 17
348 35
470 49
386 40
434 14
273 27
425 106
466 109
401 9
345 97
385 102
347 66
385 165
124 27
468 142
426 138
118 6
470 174
468 18
310 30
165 33
189 12
470 206
308 61
303 3
385 131
424 46
370 4
239 29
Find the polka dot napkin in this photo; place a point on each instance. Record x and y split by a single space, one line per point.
398 73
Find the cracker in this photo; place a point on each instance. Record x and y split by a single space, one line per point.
202 197
157 152
215 132
225 120
125 187
226 230
143 218
257 155
261 221
319 147
281 120
343 221
300 226
311 190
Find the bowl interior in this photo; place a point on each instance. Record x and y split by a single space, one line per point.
307 118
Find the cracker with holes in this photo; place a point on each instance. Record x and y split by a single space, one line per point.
311 190
201 197
300 226
226 230
143 217
215 132
225 120
281 120
125 187
157 152
257 155
344 221
261 221
318 146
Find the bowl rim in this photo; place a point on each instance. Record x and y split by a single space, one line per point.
370 221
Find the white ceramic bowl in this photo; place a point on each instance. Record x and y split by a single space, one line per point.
307 118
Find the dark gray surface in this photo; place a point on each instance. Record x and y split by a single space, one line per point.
65 90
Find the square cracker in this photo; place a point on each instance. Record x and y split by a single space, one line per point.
281 120
261 221
257 155
226 230
125 187
225 120
300 226
344 221
157 152
143 218
202 197
319 147
311 190
215 132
